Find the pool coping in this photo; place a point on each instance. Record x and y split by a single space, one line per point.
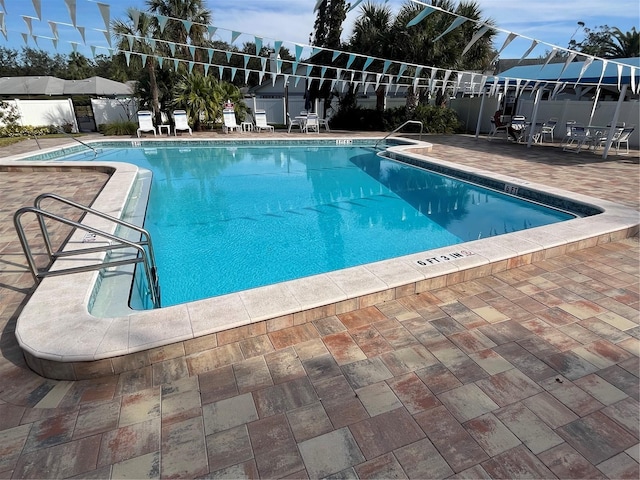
62 340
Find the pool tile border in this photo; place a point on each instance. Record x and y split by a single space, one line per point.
76 345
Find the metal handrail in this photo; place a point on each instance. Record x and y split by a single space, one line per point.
400 127
45 234
61 130
150 269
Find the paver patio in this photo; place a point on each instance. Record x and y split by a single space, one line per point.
529 373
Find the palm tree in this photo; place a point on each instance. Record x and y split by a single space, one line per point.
140 35
372 37
203 98
622 45
174 31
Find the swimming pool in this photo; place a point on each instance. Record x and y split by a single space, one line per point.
226 219
62 339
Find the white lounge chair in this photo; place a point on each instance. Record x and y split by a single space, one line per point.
229 119
294 122
261 121
181 122
312 124
145 122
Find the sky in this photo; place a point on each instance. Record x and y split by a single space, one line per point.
291 21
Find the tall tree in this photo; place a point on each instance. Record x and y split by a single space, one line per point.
135 34
330 16
607 42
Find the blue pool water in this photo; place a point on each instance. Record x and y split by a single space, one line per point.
228 219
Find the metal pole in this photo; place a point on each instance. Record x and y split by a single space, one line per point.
614 121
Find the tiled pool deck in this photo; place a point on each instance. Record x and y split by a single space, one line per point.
528 372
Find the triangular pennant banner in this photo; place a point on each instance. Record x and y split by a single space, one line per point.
619 76
35 40
93 50
476 36
162 22
403 67
263 62
106 16
534 44
367 62
421 16
172 48
55 45
187 25
295 84
323 72
352 57
508 40
130 41
235 35
246 61
258 45
206 69
107 35
276 46
25 37
570 58
455 24
152 43
298 52
192 50
309 68
71 6
554 50
387 63
38 8
210 52
220 71
143 57
176 64
127 56
212 31
228 56
191 66
27 21
135 16
336 54
351 7
81 30
585 65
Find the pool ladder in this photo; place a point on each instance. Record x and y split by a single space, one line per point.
416 122
143 248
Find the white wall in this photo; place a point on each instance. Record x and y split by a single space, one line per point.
107 110
39 113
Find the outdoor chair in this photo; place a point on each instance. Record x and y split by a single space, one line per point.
145 122
624 138
323 122
312 124
181 122
294 122
566 140
519 127
578 136
599 137
229 119
261 122
548 128
495 129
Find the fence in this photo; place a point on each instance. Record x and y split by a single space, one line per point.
468 109
45 112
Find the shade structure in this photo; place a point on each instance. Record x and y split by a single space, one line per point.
47 85
41 85
98 86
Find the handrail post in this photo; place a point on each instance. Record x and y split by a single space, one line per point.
147 259
400 127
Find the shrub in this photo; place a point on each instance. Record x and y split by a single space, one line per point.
16 130
435 119
121 127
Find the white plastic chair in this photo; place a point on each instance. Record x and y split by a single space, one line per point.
495 129
578 136
624 138
145 122
312 124
181 122
229 119
548 128
261 121
294 122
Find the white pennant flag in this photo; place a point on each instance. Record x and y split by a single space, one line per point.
38 8
106 15
585 65
455 24
534 44
509 39
27 20
421 16
81 31
477 36
71 6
